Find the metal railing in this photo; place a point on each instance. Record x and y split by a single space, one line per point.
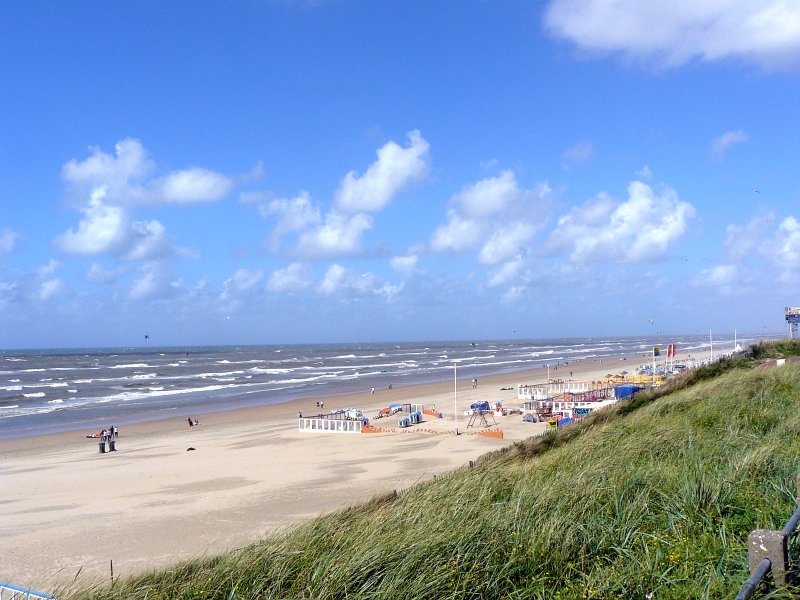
768 553
10 591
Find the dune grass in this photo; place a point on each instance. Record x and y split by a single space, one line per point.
657 494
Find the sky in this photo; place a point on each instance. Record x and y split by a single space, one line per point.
294 171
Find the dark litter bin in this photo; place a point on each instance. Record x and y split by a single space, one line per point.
112 445
101 446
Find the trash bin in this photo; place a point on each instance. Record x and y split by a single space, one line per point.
112 446
101 446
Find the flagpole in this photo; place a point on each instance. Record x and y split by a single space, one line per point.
654 366
711 340
455 396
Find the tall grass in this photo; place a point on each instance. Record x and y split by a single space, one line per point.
654 495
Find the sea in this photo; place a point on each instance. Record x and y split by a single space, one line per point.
47 391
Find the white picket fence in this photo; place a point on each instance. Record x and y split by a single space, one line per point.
321 425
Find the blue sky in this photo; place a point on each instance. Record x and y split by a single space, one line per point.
342 170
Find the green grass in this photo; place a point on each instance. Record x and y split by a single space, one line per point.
657 494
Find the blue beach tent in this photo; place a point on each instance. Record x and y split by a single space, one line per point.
625 391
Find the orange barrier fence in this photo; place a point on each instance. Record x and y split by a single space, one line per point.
492 433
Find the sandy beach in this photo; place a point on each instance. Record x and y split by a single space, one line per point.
67 508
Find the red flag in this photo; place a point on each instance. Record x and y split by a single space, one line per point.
671 350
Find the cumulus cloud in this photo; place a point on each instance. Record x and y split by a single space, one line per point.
721 143
787 249
338 235
148 240
243 280
339 280
127 178
339 231
294 278
637 230
742 241
192 185
294 214
98 274
506 273
8 240
50 288
764 32
102 229
581 152
758 253
49 269
406 265
108 229
395 168
106 188
496 216
153 282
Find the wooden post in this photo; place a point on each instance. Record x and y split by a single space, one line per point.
770 544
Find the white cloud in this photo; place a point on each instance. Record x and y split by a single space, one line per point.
339 280
48 269
743 241
721 143
97 274
724 279
294 278
108 229
126 178
339 235
8 240
645 173
192 185
294 214
406 265
787 249
103 229
581 152
394 169
459 234
496 215
147 241
153 282
635 231
767 252
50 288
243 280
765 32
721 275
336 278
509 271
116 173
505 242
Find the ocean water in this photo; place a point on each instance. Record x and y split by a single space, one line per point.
45 391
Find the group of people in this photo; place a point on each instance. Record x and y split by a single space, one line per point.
105 434
194 422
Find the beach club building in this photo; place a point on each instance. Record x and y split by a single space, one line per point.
348 420
568 398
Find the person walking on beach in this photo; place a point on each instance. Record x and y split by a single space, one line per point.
191 423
